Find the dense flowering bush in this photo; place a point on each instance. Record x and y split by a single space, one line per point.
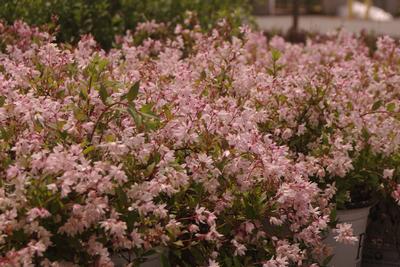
104 18
213 150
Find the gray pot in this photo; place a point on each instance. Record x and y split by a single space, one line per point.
349 255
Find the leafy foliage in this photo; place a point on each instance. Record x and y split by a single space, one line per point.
104 19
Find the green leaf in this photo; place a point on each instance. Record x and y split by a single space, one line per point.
197 253
146 111
88 150
152 124
203 75
122 200
228 261
84 93
103 94
333 215
136 117
2 100
377 105
236 262
365 133
167 112
391 107
109 138
270 71
341 199
150 169
350 105
327 260
133 92
282 98
146 108
79 114
276 54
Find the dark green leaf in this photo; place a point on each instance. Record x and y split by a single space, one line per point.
103 94
328 259
203 75
228 261
377 105
197 253
2 100
133 92
84 93
333 215
136 117
365 133
236 262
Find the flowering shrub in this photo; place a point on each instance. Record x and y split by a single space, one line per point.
345 115
104 18
227 151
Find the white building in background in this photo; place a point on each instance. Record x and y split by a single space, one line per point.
362 11
329 7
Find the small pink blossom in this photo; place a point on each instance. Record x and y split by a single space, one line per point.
388 173
240 249
213 263
37 213
345 234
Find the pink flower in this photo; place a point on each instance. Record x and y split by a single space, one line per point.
249 227
37 213
212 263
388 173
240 249
344 233
12 171
277 262
193 228
275 221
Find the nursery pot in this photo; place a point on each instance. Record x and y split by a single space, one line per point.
349 255
152 260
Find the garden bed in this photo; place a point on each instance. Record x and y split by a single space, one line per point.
203 148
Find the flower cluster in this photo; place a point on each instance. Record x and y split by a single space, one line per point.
224 150
345 234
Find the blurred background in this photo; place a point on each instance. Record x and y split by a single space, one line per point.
380 17
318 7
105 19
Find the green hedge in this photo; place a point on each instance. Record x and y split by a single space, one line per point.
106 18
